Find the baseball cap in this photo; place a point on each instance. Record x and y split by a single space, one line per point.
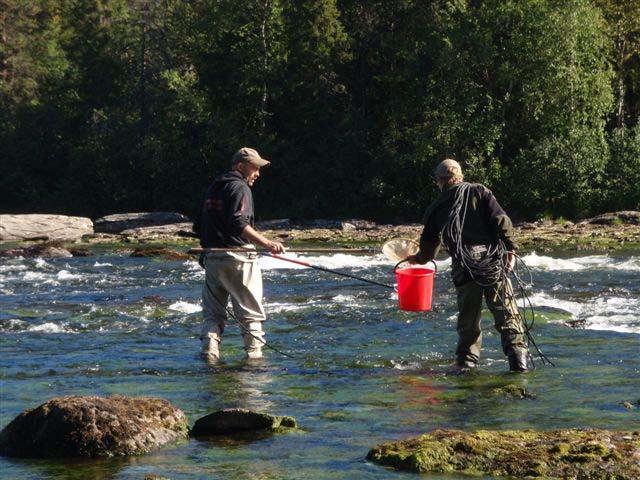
249 155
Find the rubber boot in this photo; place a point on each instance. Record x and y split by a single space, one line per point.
463 366
253 337
210 348
518 360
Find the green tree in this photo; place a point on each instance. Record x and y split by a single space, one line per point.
311 114
622 175
623 28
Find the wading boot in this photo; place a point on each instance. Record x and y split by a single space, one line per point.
210 350
254 353
463 366
518 360
253 337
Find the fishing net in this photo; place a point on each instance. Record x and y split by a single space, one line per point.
397 249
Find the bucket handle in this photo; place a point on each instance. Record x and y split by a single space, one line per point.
435 267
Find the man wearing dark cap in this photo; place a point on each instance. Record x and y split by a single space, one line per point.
226 221
478 235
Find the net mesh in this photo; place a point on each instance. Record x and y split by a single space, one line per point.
397 249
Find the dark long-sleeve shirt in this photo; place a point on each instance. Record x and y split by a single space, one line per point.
485 223
227 209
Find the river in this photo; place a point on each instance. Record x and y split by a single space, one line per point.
362 371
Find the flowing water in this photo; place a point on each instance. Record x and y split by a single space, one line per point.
362 373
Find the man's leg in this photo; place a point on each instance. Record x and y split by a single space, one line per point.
508 322
469 331
214 302
246 297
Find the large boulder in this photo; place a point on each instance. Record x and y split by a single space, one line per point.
43 227
520 454
118 222
239 420
93 427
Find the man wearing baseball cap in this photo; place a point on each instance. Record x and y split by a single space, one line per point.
226 221
478 235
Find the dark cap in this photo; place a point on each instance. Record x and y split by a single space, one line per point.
249 155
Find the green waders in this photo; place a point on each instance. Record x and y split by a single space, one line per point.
507 320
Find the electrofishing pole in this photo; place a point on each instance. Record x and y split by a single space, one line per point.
323 269
288 250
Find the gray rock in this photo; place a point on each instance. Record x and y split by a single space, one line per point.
93 427
43 227
626 217
43 250
184 229
123 221
348 227
237 420
360 224
527 226
280 224
319 223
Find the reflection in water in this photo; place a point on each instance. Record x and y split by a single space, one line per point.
243 385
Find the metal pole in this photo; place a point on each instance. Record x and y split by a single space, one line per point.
335 272
292 250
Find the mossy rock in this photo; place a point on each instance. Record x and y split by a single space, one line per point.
77 426
512 391
238 420
593 454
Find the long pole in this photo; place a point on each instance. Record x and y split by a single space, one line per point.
335 272
292 250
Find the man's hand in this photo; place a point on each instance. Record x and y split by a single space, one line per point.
274 247
417 258
251 235
509 261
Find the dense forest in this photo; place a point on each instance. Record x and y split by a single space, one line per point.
132 105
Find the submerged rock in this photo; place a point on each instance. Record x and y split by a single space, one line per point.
512 391
93 427
597 454
238 420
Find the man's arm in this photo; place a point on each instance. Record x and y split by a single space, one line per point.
502 227
250 234
429 242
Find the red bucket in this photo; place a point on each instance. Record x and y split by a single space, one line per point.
415 288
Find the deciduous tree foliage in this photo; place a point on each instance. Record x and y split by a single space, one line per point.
121 105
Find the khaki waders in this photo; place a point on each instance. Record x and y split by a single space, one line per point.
502 304
235 276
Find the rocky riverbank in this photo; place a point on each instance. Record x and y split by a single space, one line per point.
613 232
608 232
